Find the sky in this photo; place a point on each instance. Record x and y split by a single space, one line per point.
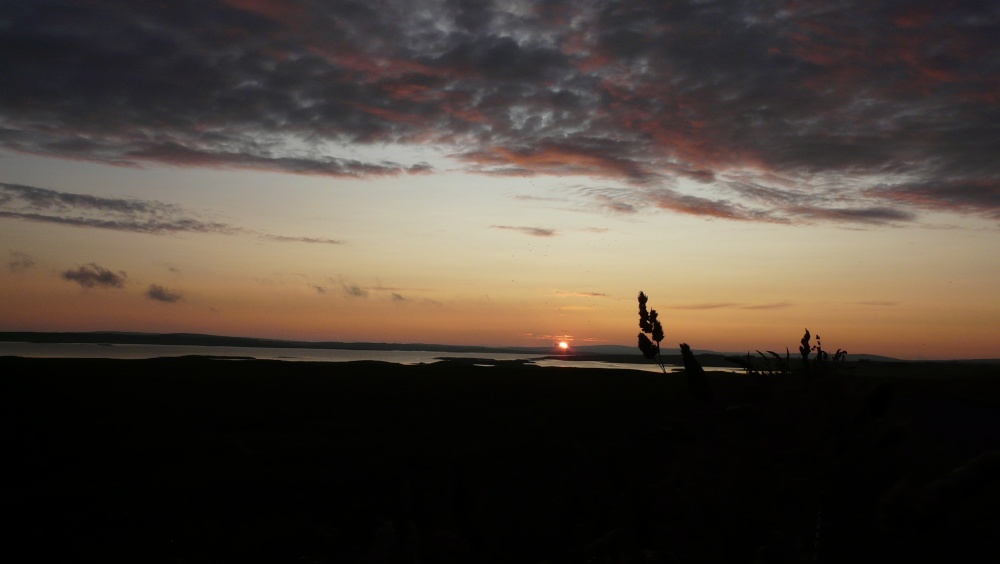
505 173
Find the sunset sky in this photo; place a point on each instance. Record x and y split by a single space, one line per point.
505 173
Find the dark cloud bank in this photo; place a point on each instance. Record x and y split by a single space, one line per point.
863 112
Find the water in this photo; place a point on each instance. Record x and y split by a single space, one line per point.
126 351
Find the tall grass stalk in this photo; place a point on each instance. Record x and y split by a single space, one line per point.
649 323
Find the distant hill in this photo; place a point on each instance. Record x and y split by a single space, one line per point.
197 339
613 353
623 350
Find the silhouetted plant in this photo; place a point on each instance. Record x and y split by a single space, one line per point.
823 363
804 350
781 365
697 381
649 323
821 355
764 366
784 364
746 363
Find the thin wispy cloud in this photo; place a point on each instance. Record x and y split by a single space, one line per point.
393 293
714 305
19 262
286 239
30 203
614 200
94 275
547 337
896 101
533 231
732 305
567 294
775 305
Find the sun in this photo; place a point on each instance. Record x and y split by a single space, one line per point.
563 345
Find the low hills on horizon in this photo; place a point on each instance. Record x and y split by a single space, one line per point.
615 353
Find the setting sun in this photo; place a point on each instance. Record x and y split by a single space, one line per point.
563 345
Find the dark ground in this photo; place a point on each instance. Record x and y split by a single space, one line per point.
198 460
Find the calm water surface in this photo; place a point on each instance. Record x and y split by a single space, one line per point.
92 350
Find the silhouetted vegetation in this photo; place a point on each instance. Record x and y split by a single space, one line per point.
697 382
207 461
772 364
649 323
863 471
765 367
804 350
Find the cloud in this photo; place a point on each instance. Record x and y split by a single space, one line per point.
353 290
91 275
161 294
961 195
874 111
775 305
713 305
19 261
80 210
732 305
695 205
876 215
615 200
393 293
30 203
533 231
286 239
565 294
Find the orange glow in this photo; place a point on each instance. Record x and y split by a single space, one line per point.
563 345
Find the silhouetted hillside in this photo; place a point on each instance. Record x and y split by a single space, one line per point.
608 353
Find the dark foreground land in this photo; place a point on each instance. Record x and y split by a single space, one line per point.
198 460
